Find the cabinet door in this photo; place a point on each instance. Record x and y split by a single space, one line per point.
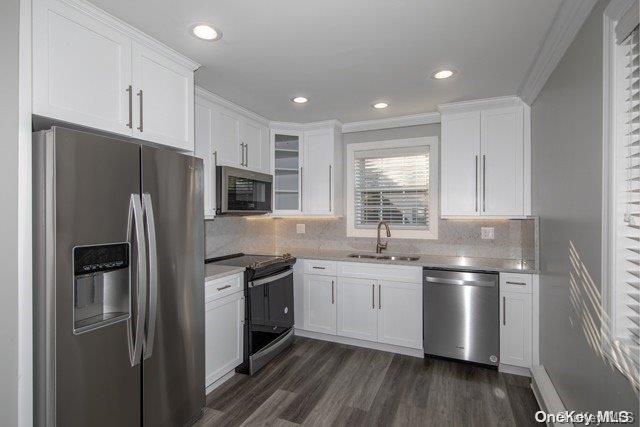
81 68
226 137
319 310
460 164
163 99
400 314
223 336
316 175
515 329
502 161
357 312
204 150
251 133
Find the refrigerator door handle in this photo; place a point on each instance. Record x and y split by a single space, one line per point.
134 225
153 274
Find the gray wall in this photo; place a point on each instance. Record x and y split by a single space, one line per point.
567 195
9 20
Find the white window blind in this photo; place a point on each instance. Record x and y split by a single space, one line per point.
392 185
626 288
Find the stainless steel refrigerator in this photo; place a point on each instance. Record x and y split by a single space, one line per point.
118 282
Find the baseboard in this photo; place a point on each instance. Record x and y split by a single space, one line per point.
361 343
515 370
217 383
546 393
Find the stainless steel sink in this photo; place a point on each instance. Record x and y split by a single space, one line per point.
385 257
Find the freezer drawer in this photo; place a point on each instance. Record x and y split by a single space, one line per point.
461 315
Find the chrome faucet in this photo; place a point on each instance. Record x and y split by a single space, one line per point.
382 246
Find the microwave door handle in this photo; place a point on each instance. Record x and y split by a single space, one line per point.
153 274
135 224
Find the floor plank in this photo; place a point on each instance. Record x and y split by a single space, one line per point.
318 383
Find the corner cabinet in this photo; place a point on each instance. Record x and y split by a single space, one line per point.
91 69
485 159
307 169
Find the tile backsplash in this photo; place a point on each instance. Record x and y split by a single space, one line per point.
514 239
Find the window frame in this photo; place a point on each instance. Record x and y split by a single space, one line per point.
431 232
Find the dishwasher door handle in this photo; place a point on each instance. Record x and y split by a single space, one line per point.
459 282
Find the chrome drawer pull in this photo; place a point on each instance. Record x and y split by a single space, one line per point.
224 287
517 283
318 268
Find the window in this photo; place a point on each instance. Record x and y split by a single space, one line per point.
621 272
393 181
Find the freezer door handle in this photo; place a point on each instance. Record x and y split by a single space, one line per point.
150 226
134 225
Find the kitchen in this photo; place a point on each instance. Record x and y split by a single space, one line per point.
377 221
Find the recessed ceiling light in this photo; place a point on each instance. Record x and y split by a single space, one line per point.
443 74
206 32
380 105
300 100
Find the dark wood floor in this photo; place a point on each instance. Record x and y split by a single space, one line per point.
322 383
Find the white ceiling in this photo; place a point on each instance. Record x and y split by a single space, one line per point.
346 54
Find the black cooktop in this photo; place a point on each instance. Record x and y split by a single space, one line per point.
258 265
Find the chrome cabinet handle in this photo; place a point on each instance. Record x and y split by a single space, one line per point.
504 310
141 95
301 189
333 295
215 158
134 224
224 287
329 188
150 224
373 296
242 154
246 159
516 283
318 268
379 297
130 91
476 183
484 183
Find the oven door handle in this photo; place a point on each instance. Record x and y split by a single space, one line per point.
269 279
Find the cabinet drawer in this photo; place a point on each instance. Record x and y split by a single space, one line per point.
324 268
397 273
514 282
215 289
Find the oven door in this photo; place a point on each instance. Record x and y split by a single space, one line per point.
271 300
242 192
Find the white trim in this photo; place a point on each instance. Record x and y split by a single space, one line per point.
430 233
546 393
205 95
514 370
360 343
217 383
132 32
566 24
25 285
526 159
392 122
535 321
301 127
480 104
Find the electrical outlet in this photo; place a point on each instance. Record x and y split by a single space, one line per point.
487 233
300 228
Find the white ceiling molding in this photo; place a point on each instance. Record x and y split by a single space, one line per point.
301 127
565 26
392 122
480 104
217 99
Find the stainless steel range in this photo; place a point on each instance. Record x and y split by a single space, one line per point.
268 287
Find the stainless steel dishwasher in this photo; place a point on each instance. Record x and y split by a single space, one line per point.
461 315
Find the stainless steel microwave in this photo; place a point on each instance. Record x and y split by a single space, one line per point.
242 192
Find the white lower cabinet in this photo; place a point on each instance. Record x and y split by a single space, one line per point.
357 312
517 319
224 321
319 303
400 314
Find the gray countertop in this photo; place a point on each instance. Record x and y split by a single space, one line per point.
431 261
216 271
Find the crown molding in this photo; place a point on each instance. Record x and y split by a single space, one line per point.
480 104
203 94
392 122
132 32
301 127
566 24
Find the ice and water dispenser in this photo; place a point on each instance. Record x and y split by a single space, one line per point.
101 288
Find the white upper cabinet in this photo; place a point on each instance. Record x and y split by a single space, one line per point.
164 96
93 70
317 172
255 137
81 68
204 150
485 151
226 138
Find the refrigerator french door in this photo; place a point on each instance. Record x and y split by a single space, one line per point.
119 301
